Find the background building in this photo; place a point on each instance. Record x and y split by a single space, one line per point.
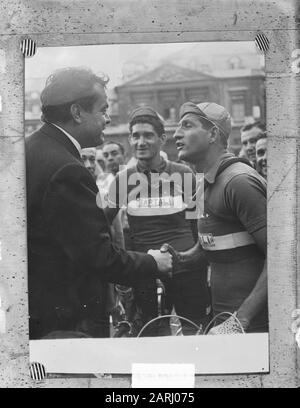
230 75
168 86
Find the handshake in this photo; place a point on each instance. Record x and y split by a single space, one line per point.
167 258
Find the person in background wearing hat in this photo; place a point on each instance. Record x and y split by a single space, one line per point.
71 257
233 228
152 223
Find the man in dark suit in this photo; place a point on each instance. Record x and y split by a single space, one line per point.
71 257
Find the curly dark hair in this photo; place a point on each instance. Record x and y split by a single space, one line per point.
156 123
81 77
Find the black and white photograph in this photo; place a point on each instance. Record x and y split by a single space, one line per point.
149 196
146 172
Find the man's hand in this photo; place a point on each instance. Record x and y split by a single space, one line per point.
164 261
175 255
184 260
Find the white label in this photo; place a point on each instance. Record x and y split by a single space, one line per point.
256 112
163 375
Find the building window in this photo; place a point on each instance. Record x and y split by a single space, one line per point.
36 110
169 114
238 108
234 62
173 115
34 95
142 99
197 95
166 114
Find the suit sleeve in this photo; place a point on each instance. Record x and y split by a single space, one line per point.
81 229
113 200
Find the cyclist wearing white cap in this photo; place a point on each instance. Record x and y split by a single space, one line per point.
233 228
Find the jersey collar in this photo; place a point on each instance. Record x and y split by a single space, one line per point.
211 174
146 170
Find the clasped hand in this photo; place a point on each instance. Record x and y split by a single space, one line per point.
166 259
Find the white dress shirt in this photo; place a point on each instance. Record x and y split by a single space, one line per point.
74 141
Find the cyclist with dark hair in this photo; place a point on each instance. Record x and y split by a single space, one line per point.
154 219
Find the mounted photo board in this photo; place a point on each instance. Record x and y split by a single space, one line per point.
275 30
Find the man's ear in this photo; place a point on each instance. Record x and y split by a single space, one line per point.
163 138
214 135
75 110
130 139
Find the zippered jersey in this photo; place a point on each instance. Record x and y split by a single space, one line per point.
235 203
157 210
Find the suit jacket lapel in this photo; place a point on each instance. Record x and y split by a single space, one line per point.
58 135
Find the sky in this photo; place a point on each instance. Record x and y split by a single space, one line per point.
115 59
107 58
